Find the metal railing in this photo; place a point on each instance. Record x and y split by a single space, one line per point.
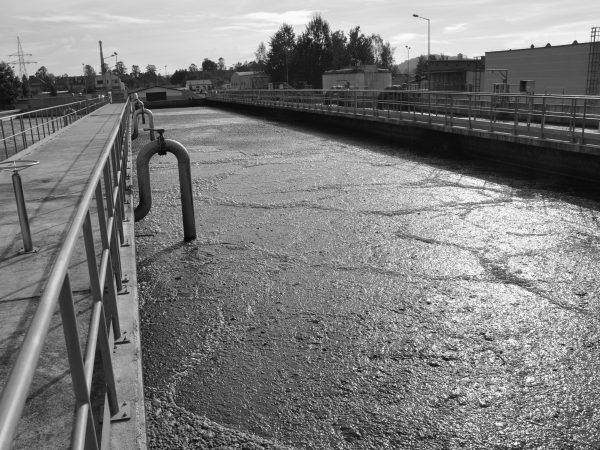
103 201
572 119
19 131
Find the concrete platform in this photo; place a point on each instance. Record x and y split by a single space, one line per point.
53 190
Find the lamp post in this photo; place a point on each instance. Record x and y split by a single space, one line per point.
408 62
84 79
108 77
428 36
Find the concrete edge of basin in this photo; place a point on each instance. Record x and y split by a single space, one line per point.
127 357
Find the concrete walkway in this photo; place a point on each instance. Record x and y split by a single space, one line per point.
53 190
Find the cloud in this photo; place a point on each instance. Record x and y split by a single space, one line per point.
91 20
263 21
455 28
403 37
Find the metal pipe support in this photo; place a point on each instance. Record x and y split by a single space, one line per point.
22 210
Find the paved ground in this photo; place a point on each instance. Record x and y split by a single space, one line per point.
345 293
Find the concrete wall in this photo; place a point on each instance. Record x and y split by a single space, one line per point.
555 70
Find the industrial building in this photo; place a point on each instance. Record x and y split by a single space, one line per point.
465 75
572 69
249 80
361 77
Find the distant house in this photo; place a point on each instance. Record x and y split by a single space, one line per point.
199 86
156 93
360 77
249 80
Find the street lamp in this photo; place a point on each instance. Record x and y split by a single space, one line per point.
84 79
108 78
428 36
408 61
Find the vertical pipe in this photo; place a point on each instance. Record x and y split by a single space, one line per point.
22 210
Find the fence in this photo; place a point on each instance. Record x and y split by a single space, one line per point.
572 119
100 211
19 131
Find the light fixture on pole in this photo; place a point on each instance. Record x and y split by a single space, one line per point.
408 62
428 35
108 80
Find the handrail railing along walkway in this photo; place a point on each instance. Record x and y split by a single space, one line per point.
565 118
76 203
19 131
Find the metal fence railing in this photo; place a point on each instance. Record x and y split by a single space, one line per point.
100 211
19 131
573 119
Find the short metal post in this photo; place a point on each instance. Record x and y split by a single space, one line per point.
22 210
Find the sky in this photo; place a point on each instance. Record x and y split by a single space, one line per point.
62 35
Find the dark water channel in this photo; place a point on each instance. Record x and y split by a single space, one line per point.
348 294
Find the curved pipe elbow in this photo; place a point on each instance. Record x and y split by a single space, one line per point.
185 183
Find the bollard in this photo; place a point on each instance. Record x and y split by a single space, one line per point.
162 146
142 111
15 167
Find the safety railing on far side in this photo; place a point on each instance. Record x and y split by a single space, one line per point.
19 131
101 210
566 118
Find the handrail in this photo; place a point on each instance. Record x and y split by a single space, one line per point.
571 119
47 121
110 170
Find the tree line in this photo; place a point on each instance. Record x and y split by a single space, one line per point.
298 60
301 60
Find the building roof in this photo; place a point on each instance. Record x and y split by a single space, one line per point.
357 69
166 88
241 74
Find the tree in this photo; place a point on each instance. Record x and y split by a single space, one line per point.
8 86
208 65
359 47
135 71
25 90
314 53
221 64
89 71
151 69
421 69
179 77
193 68
47 78
261 55
383 53
339 50
279 56
120 69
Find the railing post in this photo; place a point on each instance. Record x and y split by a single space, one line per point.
543 118
4 138
583 119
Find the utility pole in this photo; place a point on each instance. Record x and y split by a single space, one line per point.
21 60
102 68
